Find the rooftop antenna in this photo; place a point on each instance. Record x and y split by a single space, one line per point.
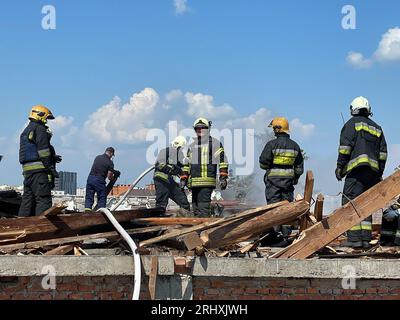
342 117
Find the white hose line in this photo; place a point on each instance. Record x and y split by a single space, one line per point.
131 188
133 247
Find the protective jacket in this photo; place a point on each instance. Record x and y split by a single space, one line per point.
362 143
283 161
169 162
36 154
204 156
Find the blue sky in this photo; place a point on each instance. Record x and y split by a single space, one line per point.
289 57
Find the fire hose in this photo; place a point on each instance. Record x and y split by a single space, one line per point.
132 245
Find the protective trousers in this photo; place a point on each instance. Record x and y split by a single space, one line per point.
201 201
37 194
170 190
357 182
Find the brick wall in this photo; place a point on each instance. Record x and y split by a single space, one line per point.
121 288
71 288
292 289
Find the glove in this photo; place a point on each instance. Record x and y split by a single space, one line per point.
117 174
223 183
338 173
175 171
58 158
54 173
390 214
183 183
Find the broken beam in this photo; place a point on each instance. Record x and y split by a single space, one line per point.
233 232
54 210
319 207
206 225
60 241
343 219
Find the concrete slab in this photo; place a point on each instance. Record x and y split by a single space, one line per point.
203 267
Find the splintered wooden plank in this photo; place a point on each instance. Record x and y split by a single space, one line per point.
308 192
173 221
45 227
54 210
343 219
60 241
233 232
153 277
192 241
206 225
319 207
60 251
309 187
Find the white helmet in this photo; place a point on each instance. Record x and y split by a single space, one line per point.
178 142
358 104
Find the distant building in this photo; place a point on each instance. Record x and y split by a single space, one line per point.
81 192
119 190
67 182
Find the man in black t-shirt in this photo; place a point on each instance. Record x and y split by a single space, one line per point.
102 168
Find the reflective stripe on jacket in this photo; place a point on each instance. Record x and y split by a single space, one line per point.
167 160
204 156
36 153
283 161
362 143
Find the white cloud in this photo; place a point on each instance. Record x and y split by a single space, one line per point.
180 6
301 129
387 51
70 137
202 105
258 120
389 47
173 95
60 122
357 60
126 123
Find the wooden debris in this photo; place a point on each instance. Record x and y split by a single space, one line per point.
229 233
48 227
309 186
343 219
54 210
173 221
153 277
60 251
206 225
308 192
192 241
319 207
60 241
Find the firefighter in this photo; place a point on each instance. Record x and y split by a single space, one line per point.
102 168
362 158
168 167
283 161
38 159
204 156
390 230
284 164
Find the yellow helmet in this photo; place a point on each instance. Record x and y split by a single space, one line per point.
40 113
280 124
202 123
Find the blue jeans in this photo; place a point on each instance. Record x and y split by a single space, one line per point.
96 185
